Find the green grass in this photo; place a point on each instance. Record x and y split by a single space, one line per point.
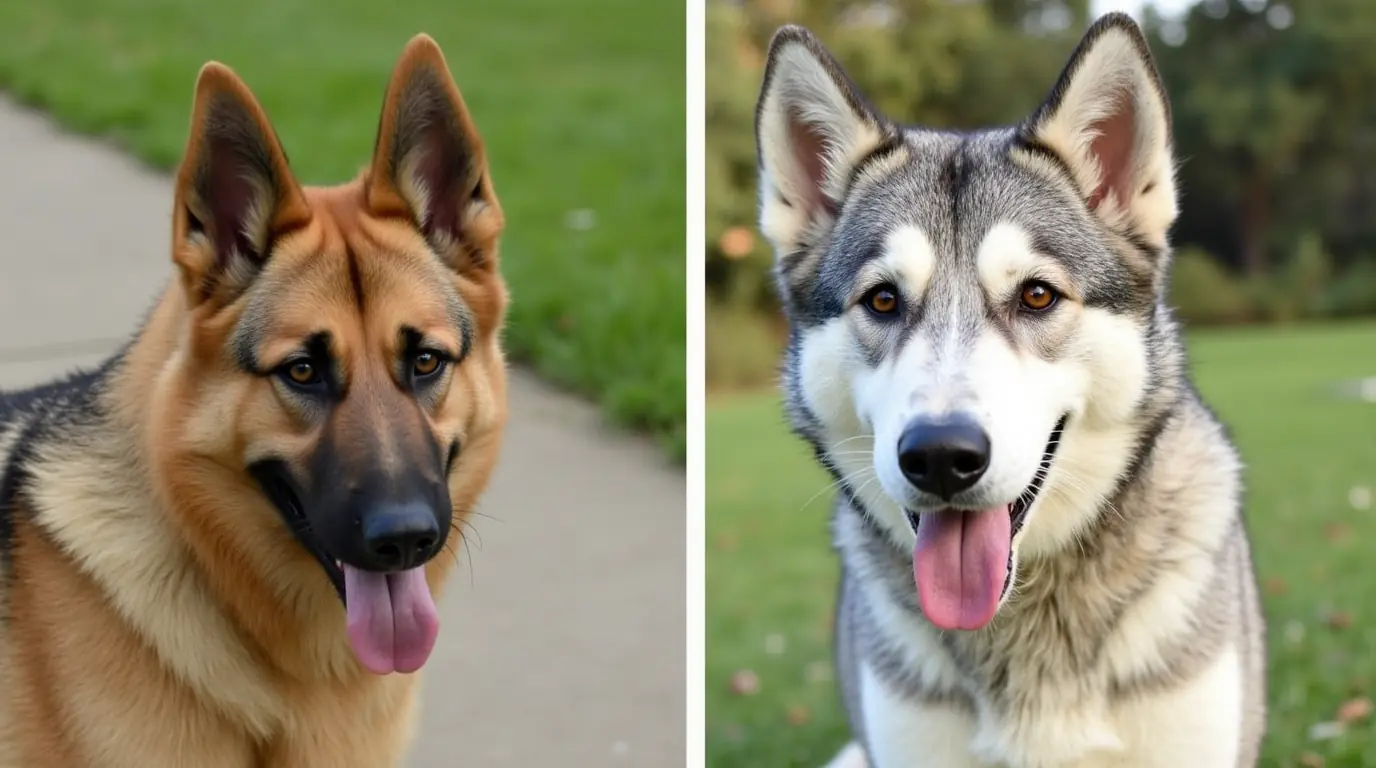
581 104
771 574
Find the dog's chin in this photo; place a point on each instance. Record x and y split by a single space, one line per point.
963 559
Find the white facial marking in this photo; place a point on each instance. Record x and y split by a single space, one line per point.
1004 258
909 258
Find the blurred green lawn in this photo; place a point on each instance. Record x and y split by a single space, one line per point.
581 104
771 573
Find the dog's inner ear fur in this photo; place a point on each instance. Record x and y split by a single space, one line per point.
429 165
235 192
812 130
1108 120
809 147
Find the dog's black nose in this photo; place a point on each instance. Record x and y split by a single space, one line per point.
943 456
399 536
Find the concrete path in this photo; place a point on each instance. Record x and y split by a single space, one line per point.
564 647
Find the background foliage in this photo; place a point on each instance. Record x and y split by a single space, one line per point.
583 120
1275 133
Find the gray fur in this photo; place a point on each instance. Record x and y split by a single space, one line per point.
1064 608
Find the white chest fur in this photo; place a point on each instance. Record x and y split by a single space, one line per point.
1196 723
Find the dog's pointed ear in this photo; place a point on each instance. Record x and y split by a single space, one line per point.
234 192
429 165
812 128
1108 121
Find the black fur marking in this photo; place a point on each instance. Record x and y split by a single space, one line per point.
356 281
274 479
247 337
318 349
453 457
955 178
46 410
14 478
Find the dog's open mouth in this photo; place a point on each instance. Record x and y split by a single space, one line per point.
271 478
392 621
963 559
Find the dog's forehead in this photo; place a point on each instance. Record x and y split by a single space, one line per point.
351 277
968 193
954 188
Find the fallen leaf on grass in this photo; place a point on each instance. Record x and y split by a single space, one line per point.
1311 760
799 716
1353 710
1338 619
1336 532
745 683
1276 586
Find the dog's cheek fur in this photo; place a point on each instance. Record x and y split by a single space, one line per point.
828 380
1018 398
472 416
886 395
1108 359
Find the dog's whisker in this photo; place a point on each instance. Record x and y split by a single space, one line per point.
846 479
833 448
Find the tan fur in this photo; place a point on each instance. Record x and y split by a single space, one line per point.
160 613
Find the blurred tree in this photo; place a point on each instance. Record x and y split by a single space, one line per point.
1274 124
1271 121
939 63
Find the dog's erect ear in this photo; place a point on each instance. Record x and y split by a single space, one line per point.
811 129
429 165
1108 120
235 192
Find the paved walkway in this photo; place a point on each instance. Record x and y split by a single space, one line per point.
565 646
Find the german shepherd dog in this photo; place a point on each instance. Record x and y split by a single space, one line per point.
218 545
1044 557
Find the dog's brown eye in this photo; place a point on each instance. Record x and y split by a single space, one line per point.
426 363
882 300
302 372
1037 296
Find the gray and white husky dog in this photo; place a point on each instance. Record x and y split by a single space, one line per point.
1044 556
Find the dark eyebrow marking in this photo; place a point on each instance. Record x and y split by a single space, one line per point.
247 336
317 346
412 340
460 319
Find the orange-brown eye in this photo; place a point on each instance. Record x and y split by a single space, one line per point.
882 300
1037 296
426 363
302 372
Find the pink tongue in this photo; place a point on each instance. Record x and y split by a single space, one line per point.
392 619
960 562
